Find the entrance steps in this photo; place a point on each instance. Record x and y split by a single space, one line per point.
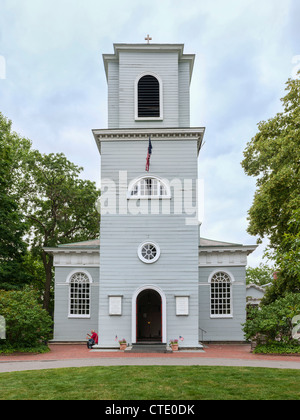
149 347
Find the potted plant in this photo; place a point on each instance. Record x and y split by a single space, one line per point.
174 345
123 344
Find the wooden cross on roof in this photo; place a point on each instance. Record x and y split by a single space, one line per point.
148 39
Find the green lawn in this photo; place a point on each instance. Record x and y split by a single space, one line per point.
152 383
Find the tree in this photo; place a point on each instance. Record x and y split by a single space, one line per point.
12 226
273 157
42 198
27 324
287 258
260 275
288 253
58 206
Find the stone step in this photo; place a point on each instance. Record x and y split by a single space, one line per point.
150 348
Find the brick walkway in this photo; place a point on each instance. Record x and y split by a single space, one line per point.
80 351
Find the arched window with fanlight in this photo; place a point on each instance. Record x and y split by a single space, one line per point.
148 97
79 295
221 295
149 187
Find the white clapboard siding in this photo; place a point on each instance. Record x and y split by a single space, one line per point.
74 329
184 95
175 78
133 65
223 329
113 95
176 271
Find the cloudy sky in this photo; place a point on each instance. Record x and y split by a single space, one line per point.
53 86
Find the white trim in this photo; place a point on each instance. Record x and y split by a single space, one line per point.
158 134
163 314
163 181
139 252
223 270
136 117
219 316
79 270
86 316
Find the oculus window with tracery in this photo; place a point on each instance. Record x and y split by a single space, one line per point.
148 252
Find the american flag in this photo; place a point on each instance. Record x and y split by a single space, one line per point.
116 338
181 338
148 155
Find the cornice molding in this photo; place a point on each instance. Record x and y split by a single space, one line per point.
149 48
224 256
173 134
248 249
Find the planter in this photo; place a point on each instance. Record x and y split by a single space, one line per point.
174 347
123 346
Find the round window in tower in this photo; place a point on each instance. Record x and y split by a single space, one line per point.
148 252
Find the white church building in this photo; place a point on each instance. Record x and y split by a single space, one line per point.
150 277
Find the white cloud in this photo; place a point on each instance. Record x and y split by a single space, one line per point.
55 87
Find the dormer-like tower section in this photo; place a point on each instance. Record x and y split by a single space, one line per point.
148 86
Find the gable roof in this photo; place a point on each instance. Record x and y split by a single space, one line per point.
94 243
210 245
211 242
205 245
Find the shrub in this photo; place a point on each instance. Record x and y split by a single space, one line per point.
28 325
278 348
273 321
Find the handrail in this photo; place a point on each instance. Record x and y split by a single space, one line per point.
202 331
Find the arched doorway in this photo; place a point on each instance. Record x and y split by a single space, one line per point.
149 316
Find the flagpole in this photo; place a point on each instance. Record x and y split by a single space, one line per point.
149 152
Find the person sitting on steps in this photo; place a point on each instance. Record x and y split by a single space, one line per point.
92 339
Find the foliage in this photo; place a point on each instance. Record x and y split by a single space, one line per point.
287 258
123 341
260 275
288 254
42 198
273 321
27 323
12 227
278 347
59 207
273 157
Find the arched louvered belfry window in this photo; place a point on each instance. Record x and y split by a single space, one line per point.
148 97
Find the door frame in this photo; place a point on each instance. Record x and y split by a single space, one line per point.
163 311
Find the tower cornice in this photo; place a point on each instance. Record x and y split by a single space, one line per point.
172 134
157 48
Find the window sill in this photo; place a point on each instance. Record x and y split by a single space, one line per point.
148 118
80 316
221 316
147 197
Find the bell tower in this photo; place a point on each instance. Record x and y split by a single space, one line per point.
149 221
148 86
